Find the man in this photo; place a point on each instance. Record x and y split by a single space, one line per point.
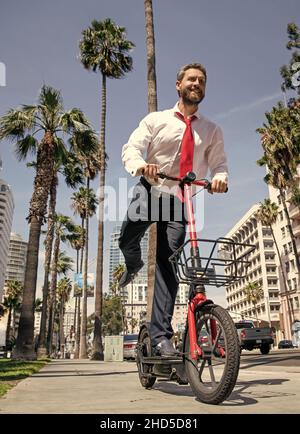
175 141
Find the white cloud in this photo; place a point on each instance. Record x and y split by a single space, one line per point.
246 107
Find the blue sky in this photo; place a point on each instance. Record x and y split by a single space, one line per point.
242 45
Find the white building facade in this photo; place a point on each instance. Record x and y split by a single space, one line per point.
288 259
135 303
263 269
6 217
16 263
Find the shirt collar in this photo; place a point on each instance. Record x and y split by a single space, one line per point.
176 109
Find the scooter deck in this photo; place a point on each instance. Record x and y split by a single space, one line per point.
159 360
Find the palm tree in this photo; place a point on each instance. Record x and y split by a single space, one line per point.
63 230
78 205
69 166
267 215
65 262
11 302
152 106
280 142
254 292
85 204
117 273
103 48
287 71
90 209
64 288
77 241
38 305
48 119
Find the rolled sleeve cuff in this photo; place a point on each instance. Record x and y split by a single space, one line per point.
133 166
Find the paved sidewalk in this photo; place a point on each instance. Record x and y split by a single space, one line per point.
84 386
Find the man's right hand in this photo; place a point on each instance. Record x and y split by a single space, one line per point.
150 171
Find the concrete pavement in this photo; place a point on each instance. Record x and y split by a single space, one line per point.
84 386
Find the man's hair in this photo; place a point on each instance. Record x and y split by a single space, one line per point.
184 68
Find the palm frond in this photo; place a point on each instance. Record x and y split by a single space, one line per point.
26 146
50 98
15 123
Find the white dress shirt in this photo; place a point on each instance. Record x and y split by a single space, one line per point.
157 140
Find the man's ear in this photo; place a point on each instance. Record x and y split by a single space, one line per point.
178 83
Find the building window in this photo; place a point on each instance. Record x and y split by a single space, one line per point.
283 232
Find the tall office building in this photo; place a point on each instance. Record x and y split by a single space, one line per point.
116 256
6 217
16 262
262 269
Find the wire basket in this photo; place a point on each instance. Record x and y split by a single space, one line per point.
226 263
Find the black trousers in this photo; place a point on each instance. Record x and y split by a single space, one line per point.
167 211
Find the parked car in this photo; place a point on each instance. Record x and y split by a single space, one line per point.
129 346
285 343
251 337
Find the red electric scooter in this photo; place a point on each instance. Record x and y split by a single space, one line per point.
210 355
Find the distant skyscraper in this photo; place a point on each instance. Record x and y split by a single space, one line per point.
16 262
116 256
6 216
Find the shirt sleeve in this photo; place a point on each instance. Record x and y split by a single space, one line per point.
217 161
133 151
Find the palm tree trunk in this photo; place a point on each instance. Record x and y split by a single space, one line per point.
42 347
151 70
97 342
256 314
284 278
83 329
61 328
52 307
8 327
82 250
152 106
76 298
24 348
77 330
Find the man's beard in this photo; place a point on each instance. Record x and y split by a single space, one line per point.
187 99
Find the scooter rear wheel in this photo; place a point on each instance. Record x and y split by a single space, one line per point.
147 379
212 376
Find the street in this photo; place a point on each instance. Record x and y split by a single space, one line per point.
266 384
289 357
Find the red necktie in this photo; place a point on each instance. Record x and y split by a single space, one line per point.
187 150
187 146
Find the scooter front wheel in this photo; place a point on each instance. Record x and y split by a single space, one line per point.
213 373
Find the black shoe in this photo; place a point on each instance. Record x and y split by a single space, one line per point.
129 275
165 348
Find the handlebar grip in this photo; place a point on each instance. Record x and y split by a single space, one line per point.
208 188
